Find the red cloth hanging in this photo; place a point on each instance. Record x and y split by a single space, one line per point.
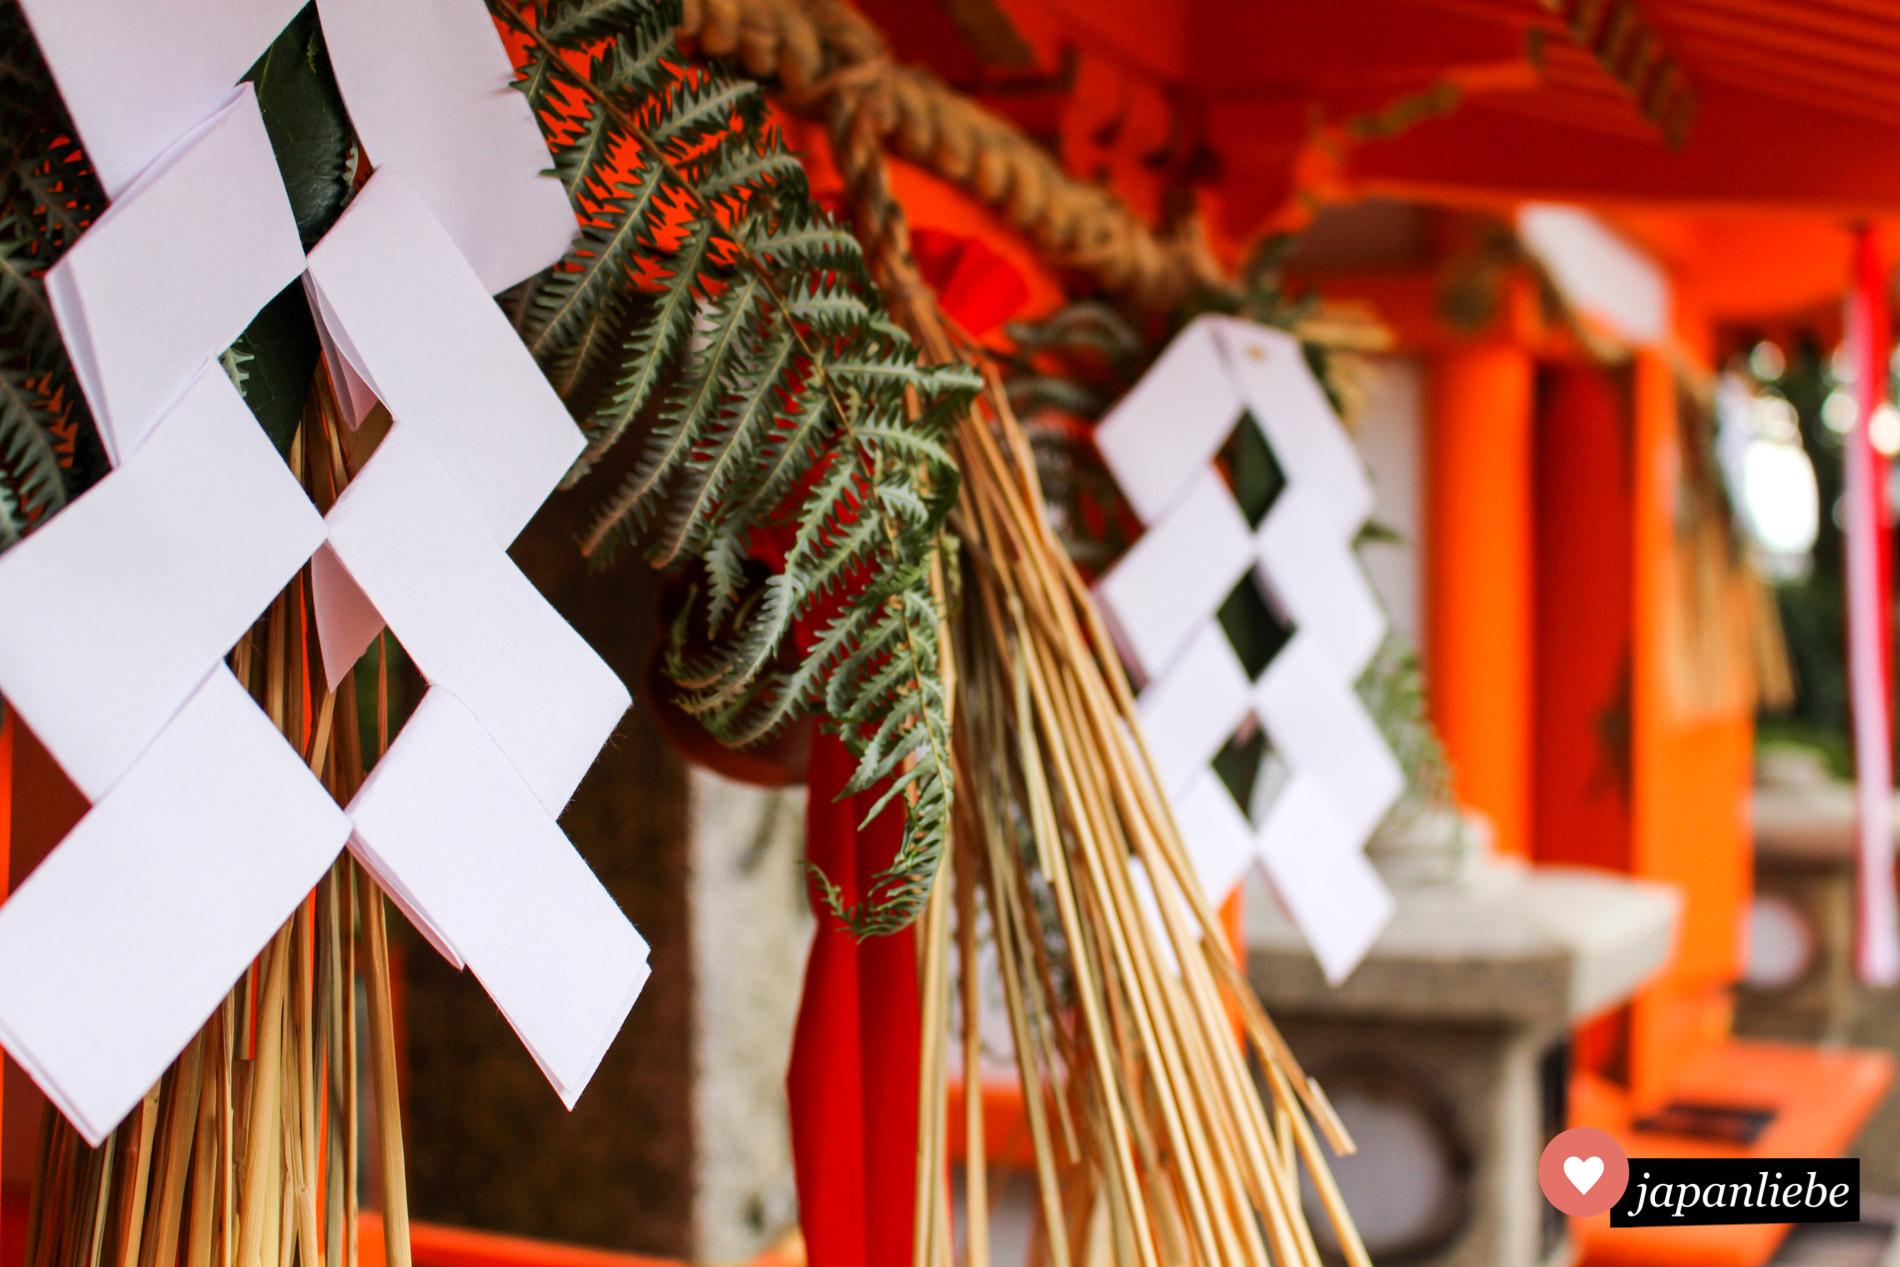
853 1076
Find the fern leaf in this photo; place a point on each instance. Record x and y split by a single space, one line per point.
647 352
810 241
756 384
695 407
598 285
785 397
570 23
704 110
737 172
826 305
789 454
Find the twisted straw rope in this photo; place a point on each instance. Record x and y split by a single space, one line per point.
832 61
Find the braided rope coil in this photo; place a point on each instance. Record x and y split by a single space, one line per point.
830 60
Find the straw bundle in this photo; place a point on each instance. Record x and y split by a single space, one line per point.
1153 1141
246 1152
1155 1144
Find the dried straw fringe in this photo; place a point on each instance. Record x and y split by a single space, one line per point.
245 1153
1124 1035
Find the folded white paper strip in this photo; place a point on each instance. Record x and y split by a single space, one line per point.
1164 434
1317 578
1328 777
1188 714
119 946
353 395
1320 872
429 90
1215 834
347 622
1321 729
139 74
402 305
1181 569
114 611
445 818
174 270
471 621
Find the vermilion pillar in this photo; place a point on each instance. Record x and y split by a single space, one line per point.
1692 752
1480 599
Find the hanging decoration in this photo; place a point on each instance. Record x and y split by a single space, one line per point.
1632 52
799 406
1869 623
826 55
1119 1006
1327 777
216 780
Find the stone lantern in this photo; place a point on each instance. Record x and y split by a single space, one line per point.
1447 1051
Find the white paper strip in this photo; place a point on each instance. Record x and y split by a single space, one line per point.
114 611
402 304
429 90
347 622
1166 431
1316 578
471 621
445 816
1218 838
175 270
1320 873
1162 600
138 74
1322 731
1270 371
116 949
1188 714
353 395
1162 591
1599 271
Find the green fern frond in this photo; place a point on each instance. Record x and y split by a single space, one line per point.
694 407
808 239
49 450
756 382
828 306
573 23
603 255
704 109
736 174
647 352
733 328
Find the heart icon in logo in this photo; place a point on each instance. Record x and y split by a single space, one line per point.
1583 1172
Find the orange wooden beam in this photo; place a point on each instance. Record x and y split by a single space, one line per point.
1479 597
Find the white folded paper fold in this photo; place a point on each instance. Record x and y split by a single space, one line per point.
175 270
1319 726
1321 874
471 621
402 306
138 74
445 820
1188 714
116 609
119 946
347 622
1328 777
430 91
1161 591
1165 432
